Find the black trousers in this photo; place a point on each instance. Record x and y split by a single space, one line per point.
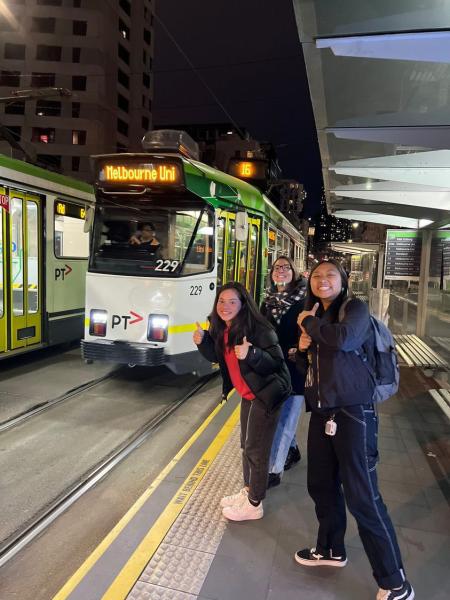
344 467
257 431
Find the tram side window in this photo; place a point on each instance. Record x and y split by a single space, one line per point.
70 239
230 250
220 248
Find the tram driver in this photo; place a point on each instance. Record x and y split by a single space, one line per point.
145 238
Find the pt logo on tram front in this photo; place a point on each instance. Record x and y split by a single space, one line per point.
125 320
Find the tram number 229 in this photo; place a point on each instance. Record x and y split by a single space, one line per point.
196 290
166 265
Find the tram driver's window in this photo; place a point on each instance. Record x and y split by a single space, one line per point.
70 239
199 257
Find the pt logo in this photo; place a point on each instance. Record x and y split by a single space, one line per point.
61 273
126 319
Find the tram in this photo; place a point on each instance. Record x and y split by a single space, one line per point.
44 251
169 230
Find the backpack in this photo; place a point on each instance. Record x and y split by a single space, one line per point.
385 371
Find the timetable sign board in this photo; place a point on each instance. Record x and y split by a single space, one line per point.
403 251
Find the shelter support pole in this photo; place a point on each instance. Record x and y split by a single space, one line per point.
380 267
422 302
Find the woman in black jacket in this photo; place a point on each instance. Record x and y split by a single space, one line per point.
342 437
283 302
246 347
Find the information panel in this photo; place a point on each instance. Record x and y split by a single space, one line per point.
403 250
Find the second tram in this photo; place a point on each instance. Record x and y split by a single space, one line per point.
167 231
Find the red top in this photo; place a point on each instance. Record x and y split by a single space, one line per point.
232 362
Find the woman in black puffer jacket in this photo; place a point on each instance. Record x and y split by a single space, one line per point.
342 437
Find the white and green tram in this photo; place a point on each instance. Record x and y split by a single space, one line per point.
44 251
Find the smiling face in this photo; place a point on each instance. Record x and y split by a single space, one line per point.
282 273
326 283
228 305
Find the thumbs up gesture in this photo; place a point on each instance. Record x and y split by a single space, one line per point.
307 313
198 334
241 350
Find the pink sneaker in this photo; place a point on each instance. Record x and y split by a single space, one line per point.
238 498
245 511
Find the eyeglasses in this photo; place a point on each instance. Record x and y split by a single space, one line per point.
282 268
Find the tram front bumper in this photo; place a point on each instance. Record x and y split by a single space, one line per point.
123 353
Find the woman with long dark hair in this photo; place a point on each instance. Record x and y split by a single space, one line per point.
283 302
342 437
246 347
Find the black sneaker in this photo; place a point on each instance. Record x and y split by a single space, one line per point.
293 457
406 592
274 480
310 558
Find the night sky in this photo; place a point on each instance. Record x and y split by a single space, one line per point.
249 53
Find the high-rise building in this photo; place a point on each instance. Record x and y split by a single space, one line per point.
100 50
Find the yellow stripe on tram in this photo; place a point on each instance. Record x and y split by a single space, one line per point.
186 328
89 563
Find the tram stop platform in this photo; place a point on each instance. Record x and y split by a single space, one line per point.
174 543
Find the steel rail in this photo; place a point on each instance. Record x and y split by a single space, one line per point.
22 538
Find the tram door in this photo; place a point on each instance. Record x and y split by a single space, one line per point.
22 310
3 318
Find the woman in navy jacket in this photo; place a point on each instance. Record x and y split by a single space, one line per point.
342 437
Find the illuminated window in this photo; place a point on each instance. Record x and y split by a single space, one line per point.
43 135
78 137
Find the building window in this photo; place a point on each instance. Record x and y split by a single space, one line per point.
49 161
78 137
10 78
48 108
76 109
49 2
122 103
76 53
125 6
79 28
15 51
15 108
145 123
122 127
124 54
147 36
146 80
43 135
43 80
43 25
123 78
79 83
75 163
121 148
48 52
15 131
124 30
150 104
144 101
6 25
77 3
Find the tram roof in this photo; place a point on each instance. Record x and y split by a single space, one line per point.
33 172
240 194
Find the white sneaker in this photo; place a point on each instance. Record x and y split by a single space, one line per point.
245 511
238 498
406 592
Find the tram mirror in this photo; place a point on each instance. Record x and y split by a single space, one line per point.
241 226
88 220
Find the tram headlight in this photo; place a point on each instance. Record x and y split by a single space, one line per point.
157 328
97 322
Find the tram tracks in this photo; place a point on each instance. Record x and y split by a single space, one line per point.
41 407
22 537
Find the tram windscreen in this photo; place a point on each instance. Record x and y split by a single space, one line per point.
160 242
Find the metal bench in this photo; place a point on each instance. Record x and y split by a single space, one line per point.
414 352
442 398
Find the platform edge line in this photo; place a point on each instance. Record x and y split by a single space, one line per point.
96 554
123 583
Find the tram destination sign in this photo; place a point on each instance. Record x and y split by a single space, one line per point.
67 209
149 172
403 250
